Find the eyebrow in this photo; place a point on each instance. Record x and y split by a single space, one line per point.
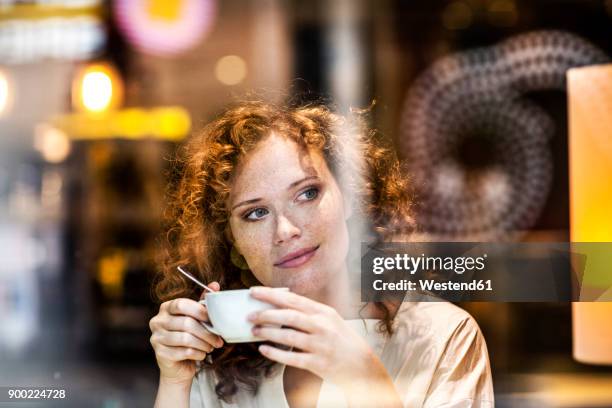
295 183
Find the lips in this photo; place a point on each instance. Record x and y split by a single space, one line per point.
297 258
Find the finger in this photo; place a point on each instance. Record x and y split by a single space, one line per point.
284 317
214 286
187 307
183 339
190 325
288 337
291 358
285 299
172 353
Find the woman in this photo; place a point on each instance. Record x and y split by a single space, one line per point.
265 199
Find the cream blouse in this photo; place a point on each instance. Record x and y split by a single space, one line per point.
437 357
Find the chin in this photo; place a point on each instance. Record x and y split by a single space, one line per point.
305 283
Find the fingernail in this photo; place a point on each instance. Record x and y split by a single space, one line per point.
264 349
255 329
252 317
255 290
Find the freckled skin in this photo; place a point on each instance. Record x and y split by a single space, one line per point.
289 218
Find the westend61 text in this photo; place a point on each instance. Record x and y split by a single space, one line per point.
432 285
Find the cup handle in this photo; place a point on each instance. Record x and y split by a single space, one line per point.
207 325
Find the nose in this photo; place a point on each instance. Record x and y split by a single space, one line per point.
285 230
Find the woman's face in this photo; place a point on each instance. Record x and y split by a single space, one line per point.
288 216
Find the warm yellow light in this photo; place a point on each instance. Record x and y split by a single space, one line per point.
98 88
590 170
130 123
230 70
52 143
111 273
171 123
4 93
164 10
97 91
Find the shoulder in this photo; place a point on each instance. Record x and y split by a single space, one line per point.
445 353
438 335
442 319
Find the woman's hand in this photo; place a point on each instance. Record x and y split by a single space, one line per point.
328 347
179 339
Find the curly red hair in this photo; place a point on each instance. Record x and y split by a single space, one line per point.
197 217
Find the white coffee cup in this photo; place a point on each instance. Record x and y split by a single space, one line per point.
228 311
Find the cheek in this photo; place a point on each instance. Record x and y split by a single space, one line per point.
245 233
252 241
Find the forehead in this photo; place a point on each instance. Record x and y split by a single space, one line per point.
273 165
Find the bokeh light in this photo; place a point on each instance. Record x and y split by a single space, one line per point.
97 91
97 88
162 27
230 70
5 93
52 143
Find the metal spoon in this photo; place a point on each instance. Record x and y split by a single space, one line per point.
194 279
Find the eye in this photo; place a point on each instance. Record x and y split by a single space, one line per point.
310 194
256 214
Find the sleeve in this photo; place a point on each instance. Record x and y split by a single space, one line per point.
202 393
462 377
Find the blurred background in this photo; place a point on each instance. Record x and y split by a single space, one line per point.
95 96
